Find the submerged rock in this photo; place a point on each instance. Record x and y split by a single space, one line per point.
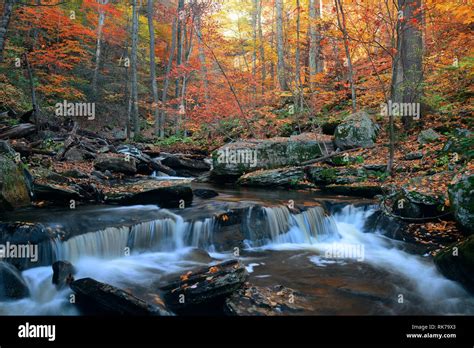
12 284
204 288
357 130
457 262
94 297
205 193
461 196
268 301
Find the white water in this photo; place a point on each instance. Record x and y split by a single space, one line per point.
159 247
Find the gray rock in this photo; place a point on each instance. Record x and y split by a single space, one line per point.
14 191
274 177
122 165
461 196
63 272
413 156
428 136
357 130
12 284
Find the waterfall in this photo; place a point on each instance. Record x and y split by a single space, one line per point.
166 234
277 225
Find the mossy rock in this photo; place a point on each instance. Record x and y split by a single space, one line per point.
457 262
357 130
428 136
13 185
461 197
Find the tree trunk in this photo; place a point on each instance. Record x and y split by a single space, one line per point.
135 118
4 22
407 85
315 58
34 101
341 20
262 48
154 86
179 56
98 52
254 52
281 69
164 96
299 84
202 60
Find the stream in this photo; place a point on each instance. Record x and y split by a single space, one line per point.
327 259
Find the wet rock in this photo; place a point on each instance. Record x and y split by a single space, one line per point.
145 164
122 165
366 190
55 193
357 130
204 288
457 262
266 301
428 136
94 297
205 193
327 176
461 196
63 272
13 185
414 204
184 162
286 177
198 255
167 194
12 284
413 156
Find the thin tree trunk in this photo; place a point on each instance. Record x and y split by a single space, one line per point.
98 52
164 96
315 57
341 20
254 52
179 56
136 121
202 60
281 69
299 83
4 23
154 85
262 48
34 101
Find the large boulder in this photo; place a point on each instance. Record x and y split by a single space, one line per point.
12 284
457 262
186 165
235 159
326 176
125 165
144 163
286 177
357 130
13 185
63 272
461 196
94 297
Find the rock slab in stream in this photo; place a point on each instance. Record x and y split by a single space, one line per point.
357 130
285 177
457 262
268 301
12 284
208 286
124 165
94 297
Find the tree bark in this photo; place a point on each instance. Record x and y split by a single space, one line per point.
4 23
281 69
135 118
262 48
154 85
202 60
407 85
341 20
98 52
34 101
315 59
179 55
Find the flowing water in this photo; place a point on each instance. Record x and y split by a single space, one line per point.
328 259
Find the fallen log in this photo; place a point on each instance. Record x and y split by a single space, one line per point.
19 131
